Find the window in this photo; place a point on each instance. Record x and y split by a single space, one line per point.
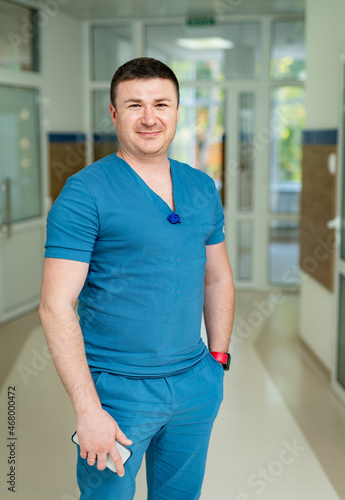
19 36
288 50
287 119
224 51
111 47
287 123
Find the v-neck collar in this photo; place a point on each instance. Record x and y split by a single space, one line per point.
178 195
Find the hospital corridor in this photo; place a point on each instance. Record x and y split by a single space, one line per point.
254 102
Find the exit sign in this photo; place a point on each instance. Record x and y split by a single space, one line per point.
201 21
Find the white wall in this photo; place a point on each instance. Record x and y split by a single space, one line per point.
325 32
62 67
317 323
323 65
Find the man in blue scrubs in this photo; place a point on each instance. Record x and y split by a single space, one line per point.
139 239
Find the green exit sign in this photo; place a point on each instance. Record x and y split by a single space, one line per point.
201 21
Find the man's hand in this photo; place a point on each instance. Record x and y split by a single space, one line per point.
97 432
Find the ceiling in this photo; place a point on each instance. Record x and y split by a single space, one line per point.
107 9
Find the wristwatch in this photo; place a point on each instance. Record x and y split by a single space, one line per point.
224 359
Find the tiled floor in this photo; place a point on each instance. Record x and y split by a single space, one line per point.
280 434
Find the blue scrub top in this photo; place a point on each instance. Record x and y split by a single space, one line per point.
141 305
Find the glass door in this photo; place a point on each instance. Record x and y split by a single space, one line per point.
20 200
245 186
19 155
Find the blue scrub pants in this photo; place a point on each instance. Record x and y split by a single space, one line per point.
169 418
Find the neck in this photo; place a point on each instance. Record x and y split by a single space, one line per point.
151 164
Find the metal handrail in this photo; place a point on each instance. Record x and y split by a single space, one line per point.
6 187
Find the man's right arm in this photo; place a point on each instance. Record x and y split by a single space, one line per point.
62 282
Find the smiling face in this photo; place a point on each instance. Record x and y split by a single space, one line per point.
145 117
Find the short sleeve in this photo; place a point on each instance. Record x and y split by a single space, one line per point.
72 223
218 234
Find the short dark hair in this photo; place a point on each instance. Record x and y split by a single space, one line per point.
142 68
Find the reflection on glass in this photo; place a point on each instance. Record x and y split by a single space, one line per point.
246 150
287 123
229 51
19 31
105 140
288 50
111 47
283 252
26 162
199 140
244 250
341 334
24 114
20 164
25 143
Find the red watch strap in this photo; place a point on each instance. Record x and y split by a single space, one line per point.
222 357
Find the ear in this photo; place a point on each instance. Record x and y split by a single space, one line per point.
113 114
178 113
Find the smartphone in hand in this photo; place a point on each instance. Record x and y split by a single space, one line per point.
124 451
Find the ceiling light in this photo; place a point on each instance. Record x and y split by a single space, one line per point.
204 43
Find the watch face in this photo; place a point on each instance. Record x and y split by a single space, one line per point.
228 361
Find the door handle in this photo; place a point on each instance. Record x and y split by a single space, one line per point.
335 223
7 227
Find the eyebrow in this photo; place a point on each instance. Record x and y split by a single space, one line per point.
161 99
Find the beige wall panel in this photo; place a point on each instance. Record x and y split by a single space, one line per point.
65 159
317 208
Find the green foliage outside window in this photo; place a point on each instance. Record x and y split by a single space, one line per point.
290 118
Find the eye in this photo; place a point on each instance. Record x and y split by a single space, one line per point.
134 105
162 105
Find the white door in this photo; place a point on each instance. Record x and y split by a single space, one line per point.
21 200
246 186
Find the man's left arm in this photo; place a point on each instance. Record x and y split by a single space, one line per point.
219 303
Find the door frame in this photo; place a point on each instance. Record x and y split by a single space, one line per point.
339 267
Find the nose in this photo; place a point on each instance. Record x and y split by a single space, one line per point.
148 118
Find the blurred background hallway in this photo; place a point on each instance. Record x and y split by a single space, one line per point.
262 112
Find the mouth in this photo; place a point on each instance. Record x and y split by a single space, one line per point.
149 134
